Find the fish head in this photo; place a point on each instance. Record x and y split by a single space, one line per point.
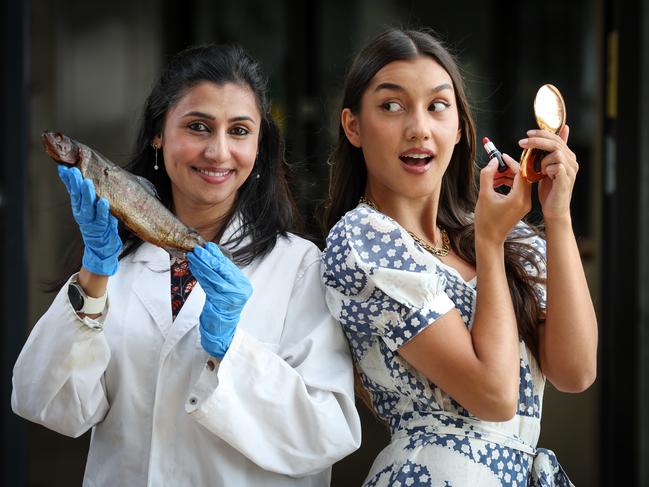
61 148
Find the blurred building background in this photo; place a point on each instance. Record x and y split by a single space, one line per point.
84 68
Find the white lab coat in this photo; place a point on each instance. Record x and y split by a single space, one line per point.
278 410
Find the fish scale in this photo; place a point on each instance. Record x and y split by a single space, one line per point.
142 212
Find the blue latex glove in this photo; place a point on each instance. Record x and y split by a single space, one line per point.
98 227
226 292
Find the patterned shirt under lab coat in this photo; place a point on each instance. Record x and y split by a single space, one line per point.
385 289
277 411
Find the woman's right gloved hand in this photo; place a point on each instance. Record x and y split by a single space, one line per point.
98 227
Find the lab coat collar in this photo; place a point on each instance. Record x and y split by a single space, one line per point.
158 303
156 258
153 285
153 289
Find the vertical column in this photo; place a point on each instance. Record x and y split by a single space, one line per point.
642 291
622 332
13 276
304 108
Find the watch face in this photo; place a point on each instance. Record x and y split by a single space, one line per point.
75 297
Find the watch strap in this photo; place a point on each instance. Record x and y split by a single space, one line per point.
94 306
91 306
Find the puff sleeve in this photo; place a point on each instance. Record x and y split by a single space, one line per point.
379 281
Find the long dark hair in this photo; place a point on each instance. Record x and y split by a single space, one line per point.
264 202
348 173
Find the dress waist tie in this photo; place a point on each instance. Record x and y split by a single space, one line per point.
546 470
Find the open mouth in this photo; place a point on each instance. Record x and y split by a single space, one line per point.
416 159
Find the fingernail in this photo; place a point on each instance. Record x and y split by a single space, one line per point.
531 132
523 142
509 157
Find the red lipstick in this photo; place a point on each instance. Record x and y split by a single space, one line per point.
493 152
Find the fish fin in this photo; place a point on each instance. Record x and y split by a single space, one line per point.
201 241
177 253
182 255
148 185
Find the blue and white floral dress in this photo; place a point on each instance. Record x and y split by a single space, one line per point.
385 289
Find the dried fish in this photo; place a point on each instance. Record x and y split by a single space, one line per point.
131 199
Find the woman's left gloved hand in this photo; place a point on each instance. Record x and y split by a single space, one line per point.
226 292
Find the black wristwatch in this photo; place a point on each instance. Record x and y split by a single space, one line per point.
82 303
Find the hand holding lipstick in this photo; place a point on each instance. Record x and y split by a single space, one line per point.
505 175
497 213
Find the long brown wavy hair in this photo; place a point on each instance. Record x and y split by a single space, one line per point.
348 174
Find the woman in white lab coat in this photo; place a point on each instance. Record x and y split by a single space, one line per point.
198 371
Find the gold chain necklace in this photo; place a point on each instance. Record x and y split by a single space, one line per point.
437 251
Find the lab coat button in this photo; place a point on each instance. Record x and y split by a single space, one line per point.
210 364
193 401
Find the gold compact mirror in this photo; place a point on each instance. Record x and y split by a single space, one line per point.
550 114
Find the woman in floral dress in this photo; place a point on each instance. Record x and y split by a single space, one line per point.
456 311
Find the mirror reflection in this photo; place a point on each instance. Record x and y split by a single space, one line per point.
550 114
549 109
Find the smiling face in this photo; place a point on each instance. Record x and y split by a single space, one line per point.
209 141
407 128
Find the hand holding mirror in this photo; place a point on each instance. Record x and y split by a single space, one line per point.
550 114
